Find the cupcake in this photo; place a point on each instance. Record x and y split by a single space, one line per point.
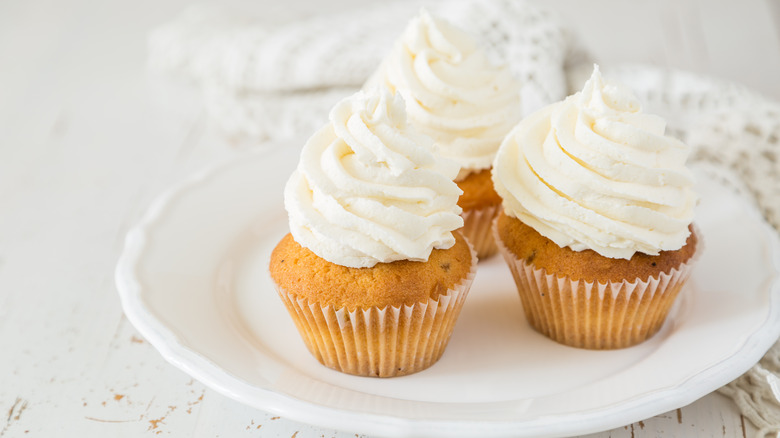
372 273
597 217
465 103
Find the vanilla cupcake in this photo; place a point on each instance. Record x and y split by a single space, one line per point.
465 103
598 207
372 273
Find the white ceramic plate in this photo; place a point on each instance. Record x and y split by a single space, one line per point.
193 280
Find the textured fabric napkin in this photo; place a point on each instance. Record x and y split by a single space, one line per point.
264 82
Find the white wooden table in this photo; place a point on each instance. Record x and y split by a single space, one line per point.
87 141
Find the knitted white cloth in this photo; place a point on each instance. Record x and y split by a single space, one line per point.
264 82
757 393
725 124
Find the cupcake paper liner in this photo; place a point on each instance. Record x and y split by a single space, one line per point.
595 315
380 342
477 228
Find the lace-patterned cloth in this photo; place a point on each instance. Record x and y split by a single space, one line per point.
725 124
264 82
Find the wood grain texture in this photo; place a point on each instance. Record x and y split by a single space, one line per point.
87 140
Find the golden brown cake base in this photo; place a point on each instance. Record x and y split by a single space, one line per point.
478 191
480 204
303 273
585 302
527 244
389 320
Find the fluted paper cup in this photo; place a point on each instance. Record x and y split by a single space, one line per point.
477 228
380 342
595 315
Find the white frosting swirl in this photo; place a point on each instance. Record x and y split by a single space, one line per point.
452 92
369 189
595 172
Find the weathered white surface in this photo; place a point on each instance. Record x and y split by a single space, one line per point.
87 140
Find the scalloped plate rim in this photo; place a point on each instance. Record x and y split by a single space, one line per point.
212 375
